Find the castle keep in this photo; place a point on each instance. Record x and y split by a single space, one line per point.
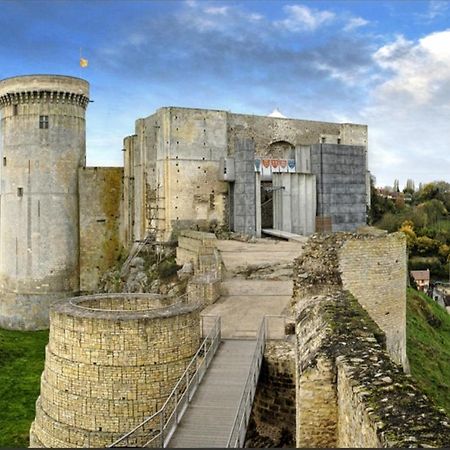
63 224
188 167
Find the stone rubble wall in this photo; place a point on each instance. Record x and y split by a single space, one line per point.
199 249
273 413
372 267
111 361
349 393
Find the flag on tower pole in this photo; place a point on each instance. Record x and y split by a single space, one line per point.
83 61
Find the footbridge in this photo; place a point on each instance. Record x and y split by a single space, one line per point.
210 405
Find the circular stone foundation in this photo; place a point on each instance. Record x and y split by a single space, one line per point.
111 361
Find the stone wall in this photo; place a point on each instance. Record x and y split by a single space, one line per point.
266 132
375 272
273 413
100 190
372 267
197 250
349 392
111 361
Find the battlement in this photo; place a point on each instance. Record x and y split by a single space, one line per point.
44 88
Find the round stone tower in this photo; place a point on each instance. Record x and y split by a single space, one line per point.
111 361
42 146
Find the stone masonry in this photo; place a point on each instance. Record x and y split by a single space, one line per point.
111 361
372 267
349 393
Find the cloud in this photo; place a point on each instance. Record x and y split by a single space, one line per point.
409 109
420 71
436 8
355 22
302 18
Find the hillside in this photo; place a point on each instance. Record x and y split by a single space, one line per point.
428 347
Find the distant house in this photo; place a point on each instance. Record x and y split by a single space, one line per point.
441 294
422 279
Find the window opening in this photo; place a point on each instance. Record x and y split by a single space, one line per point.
43 122
20 192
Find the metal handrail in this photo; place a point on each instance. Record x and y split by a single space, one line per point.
239 429
156 430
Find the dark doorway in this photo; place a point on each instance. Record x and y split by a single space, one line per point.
266 204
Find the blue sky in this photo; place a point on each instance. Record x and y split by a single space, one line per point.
385 64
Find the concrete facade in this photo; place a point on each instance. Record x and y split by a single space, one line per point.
341 184
174 179
42 147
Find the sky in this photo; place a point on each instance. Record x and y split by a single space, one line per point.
381 63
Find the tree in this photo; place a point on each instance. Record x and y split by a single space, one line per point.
379 205
407 227
396 186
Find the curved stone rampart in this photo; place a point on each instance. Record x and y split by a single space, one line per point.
111 361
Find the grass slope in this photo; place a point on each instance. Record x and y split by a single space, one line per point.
21 365
428 347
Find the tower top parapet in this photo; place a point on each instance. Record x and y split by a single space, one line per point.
51 88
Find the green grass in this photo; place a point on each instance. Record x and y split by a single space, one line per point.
21 365
428 347
442 225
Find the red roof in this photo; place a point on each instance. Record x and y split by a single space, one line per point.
423 275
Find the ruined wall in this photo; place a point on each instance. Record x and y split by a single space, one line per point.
375 272
100 191
111 361
273 413
266 130
349 392
372 267
198 250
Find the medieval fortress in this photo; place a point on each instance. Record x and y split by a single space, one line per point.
113 359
